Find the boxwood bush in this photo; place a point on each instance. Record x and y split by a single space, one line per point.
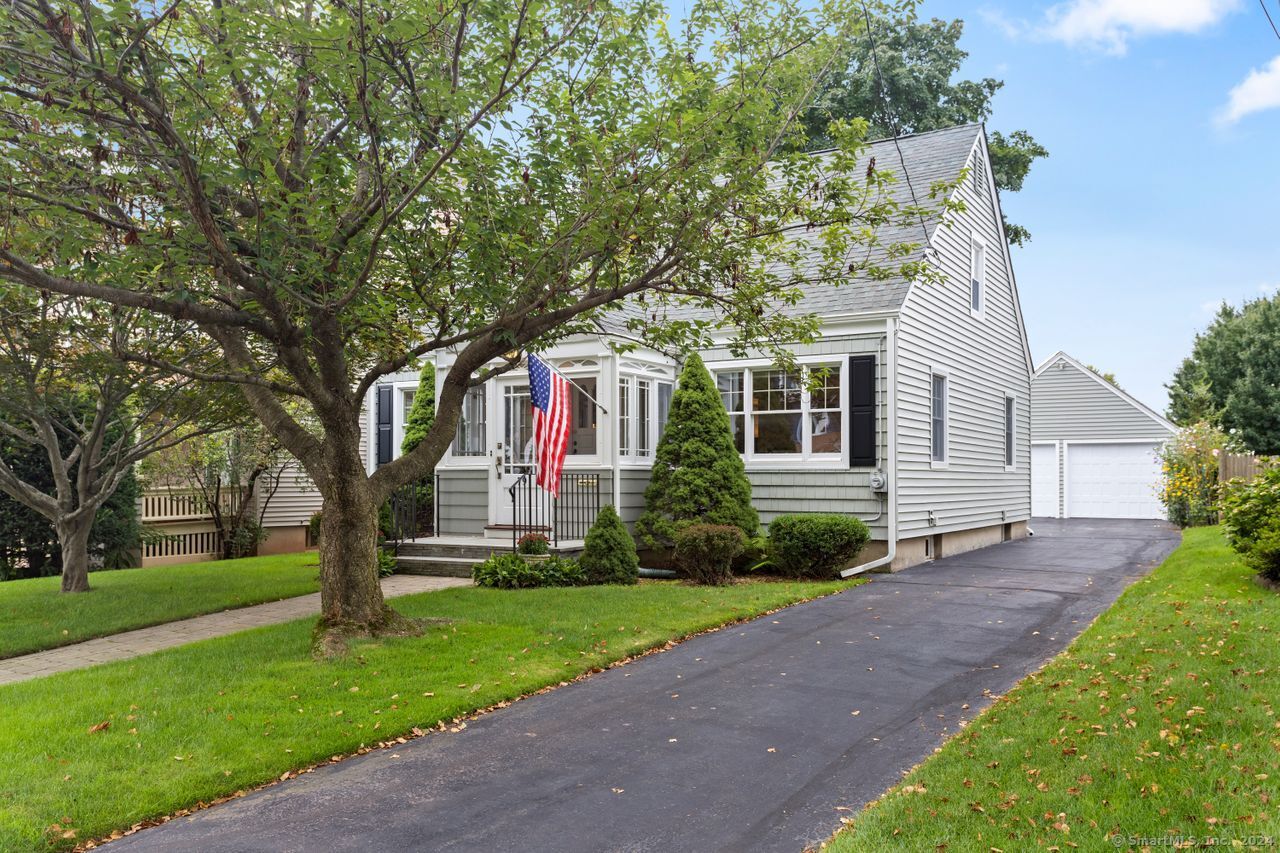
1251 521
705 552
511 571
815 546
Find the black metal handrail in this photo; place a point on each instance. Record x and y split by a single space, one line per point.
566 517
413 510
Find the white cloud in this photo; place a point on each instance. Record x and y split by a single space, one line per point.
1259 91
1268 289
1110 24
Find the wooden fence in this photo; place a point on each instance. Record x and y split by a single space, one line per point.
1242 466
185 526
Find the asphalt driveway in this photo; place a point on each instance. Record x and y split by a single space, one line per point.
758 737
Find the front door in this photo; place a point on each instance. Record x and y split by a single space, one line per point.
515 456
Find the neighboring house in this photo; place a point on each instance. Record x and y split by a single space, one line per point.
921 428
1094 448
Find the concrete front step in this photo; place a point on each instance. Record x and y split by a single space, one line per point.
441 567
477 552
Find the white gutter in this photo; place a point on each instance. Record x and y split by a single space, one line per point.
891 497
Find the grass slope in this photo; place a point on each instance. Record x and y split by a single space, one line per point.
203 721
34 615
1159 721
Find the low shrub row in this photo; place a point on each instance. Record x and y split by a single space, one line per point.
817 546
512 571
608 557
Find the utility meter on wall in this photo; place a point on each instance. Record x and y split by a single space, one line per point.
879 482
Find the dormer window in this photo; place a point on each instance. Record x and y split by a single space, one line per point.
977 276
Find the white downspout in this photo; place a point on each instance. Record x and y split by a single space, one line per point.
891 497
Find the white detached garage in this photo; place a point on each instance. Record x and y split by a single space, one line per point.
1093 446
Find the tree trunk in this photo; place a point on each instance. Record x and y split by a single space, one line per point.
73 537
350 594
351 602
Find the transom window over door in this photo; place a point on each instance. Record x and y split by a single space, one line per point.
785 414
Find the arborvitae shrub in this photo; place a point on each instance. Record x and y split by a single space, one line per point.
698 475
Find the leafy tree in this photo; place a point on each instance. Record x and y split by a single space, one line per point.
422 414
1232 375
334 192
28 542
68 397
919 61
609 553
698 475
1108 376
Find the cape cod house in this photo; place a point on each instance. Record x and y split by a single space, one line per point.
921 428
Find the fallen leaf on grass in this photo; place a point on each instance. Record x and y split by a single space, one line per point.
99 727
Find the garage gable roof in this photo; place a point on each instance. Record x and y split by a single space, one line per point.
1061 356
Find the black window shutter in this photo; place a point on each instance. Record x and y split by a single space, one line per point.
384 424
862 410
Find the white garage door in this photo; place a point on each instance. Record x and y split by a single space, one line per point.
1113 481
1044 480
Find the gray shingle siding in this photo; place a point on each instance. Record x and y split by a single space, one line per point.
1070 405
464 501
631 485
984 358
836 489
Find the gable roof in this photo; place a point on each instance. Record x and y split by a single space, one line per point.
1114 389
937 155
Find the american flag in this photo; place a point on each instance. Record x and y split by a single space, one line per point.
549 394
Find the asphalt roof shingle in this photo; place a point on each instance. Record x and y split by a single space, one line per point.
929 157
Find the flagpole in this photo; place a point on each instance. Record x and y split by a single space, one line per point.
571 382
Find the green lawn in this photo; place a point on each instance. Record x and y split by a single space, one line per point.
1160 720
194 723
34 615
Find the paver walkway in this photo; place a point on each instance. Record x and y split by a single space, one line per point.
755 738
146 640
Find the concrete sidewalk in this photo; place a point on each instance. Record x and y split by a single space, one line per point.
143 641
755 738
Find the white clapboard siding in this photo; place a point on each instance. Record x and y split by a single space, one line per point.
984 357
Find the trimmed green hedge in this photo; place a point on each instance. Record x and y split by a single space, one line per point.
815 546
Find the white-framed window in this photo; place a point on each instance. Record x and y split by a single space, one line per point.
644 418
730 384
977 275
1010 427
782 415
938 418
469 438
641 415
625 443
407 405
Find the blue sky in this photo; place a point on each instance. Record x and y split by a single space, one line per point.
1161 197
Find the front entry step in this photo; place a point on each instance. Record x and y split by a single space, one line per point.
442 567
